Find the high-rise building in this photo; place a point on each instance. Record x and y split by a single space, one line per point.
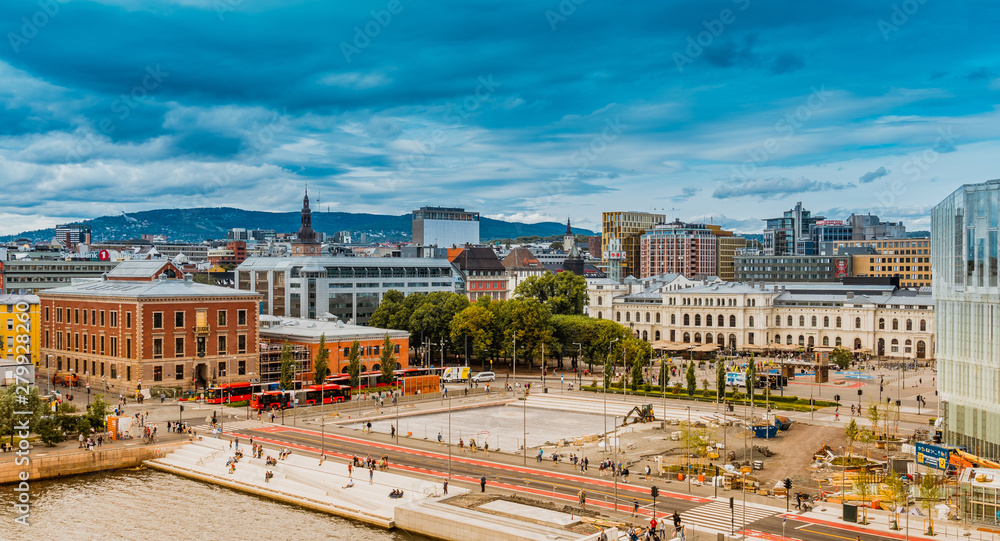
678 248
965 240
906 259
726 258
783 235
445 227
622 230
73 234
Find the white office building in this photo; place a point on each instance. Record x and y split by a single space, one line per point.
964 239
445 227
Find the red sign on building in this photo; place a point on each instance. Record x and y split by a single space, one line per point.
841 271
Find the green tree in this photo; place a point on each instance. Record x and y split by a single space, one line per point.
851 433
204 278
564 293
432 318
97 412
609 369
930 493
664 375
322 363
637 379
50 432
354 363
478 325
386 361
10 402
895 492
692 381
531 321
288 366
874 415
863 488
841 357
751 376
720 379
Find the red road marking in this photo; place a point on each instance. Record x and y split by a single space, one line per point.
483 463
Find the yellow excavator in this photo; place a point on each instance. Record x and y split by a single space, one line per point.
642 414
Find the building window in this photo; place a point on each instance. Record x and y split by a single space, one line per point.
179 372
838 342
732 321
909 324
347 351
687 319
895 346
789 321
241 343
46 315
802 321
826 321
128 348
179 320
673 335
895 324
838 322
157 348
102 318
600 301
628 316
813 322
923 326
697 320
157 372
76 316
241 317
826 341
128 320
178 346
222 345
673 319
750 323
241 368
658 319
222 318
647 317
881 323
114 318
222 369
58 315
618 316
687 337
749 338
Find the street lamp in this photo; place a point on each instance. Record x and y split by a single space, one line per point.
449 440
604 386
614 465
524 428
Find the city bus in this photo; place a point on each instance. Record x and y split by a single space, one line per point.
366 380
231 392
323 394
268 400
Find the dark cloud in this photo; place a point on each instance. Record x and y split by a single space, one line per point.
871 176
766 188
786 63
686 193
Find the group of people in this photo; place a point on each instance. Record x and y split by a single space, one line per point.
396 493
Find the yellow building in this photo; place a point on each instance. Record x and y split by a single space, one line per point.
909 259
13 325
626 227
727 247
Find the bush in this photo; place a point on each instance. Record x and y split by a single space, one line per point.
49 432
240 404
66 407
708 393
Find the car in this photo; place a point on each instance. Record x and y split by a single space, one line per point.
483 377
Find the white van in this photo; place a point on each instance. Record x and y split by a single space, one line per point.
455 374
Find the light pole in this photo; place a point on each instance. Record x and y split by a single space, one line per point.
614 465
689 451
524 428
322 419
449 440
605 393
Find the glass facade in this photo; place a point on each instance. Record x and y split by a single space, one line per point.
964 230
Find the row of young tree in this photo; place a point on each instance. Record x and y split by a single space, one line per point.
50 428
544 315
321 364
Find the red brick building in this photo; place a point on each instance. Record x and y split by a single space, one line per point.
483 273
119 334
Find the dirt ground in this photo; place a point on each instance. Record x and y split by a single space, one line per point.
792 450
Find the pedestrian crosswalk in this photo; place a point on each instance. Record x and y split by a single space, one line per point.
717 516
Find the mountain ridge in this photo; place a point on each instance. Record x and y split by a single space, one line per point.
213 223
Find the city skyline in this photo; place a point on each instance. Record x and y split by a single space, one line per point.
727 112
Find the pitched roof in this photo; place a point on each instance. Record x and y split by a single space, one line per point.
479 258
521 258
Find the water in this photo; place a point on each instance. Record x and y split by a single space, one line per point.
503 425
855 375
149 505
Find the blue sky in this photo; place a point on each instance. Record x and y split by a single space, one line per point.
722 110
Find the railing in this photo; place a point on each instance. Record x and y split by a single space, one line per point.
201 329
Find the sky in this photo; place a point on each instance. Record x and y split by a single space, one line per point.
723 111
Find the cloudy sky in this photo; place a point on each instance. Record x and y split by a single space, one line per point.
723 110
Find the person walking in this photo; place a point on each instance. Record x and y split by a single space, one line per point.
371 475
369 427
486 448
583 498
446 487
482 483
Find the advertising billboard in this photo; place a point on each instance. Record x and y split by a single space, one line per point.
934 456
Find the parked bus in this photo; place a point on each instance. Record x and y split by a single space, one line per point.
366 380
269 400
310 396
231 392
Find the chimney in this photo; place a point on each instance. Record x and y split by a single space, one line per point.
850 294
188 277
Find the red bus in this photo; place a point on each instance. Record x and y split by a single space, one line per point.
326 394
417 371
366 380
234 392
268 400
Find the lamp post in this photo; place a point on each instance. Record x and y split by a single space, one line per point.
449 440
614 465
604 386
524 428
689 450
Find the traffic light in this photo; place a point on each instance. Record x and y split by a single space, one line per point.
788 483
182 409
859 392
730 502
836 398
654 492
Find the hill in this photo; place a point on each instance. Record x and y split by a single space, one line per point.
199 224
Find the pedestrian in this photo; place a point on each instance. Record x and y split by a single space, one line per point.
446 486
486 448
371 475
369 427
836 414
540 451
583 498
482 483
647 472
439 438
321 458
635 506
392 431
237 443
350 470
81 441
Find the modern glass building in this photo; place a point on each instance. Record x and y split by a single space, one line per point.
964 235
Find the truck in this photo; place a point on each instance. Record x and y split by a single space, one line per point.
456 374
736 379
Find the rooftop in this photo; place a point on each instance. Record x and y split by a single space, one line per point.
146 290
310 330
282 263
